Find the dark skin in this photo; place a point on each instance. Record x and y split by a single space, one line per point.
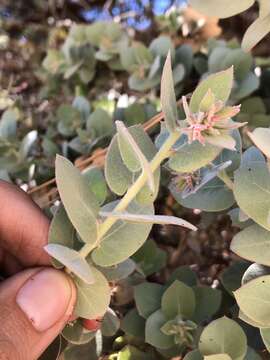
23 231
29 322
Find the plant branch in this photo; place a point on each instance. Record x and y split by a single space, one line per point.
161 155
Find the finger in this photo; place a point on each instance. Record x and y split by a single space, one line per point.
35 305
23 226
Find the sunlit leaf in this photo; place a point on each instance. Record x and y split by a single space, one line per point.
167 95
256 32
80 203
92 299
72 260
223 336
253 299
221 8
220 85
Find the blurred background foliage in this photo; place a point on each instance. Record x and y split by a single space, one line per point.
70 68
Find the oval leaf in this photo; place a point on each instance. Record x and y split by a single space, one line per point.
124 238
260 137
178 299
220 85
117 175
253 299
252 192
223 336
80 203
72 260
92 299
253 243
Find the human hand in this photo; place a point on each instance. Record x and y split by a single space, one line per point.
36 301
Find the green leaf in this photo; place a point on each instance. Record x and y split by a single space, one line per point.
214 196
129 352
252 355
253 243
252 192
97 183
193 355
92 300
223 336
167 96
134 114
148 298
217 357
221 8
161 46
254 271
183 274
220 84
117 175
265 333
253 299
72 260
256 32
223 141
207 301
249 321
133 150
260 137
8 124
178 299
191 157
124 238
207 101
149 219
150 258
82 105
110 323
119 271
61 232
153 334
76 334
232 275
133 324
100 123
82 352
80 203
143 141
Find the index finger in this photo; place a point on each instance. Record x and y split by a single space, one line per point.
23 226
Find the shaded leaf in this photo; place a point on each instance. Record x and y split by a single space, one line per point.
110 323
133 324
76 334
178 299
153 334
207 301
148 298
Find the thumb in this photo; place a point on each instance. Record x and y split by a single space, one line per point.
35 305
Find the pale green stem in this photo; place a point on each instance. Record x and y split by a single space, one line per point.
226 179
162 154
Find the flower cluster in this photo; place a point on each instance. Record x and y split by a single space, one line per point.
210 122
